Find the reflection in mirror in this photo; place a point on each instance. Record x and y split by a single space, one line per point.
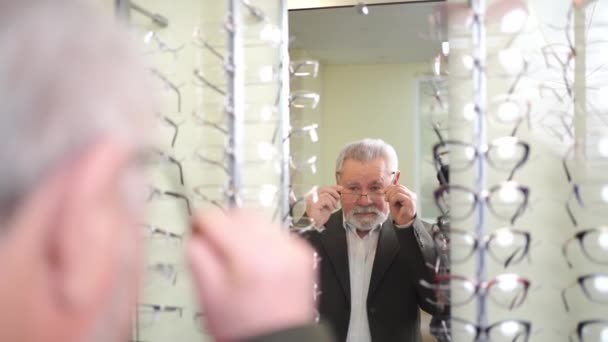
380 74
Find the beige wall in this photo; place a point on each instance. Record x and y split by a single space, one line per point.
371 100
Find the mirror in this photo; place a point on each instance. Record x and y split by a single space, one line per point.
375 80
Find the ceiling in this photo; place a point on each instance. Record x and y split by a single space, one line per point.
396 33
302 4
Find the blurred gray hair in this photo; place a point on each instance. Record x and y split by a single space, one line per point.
367 150
69 75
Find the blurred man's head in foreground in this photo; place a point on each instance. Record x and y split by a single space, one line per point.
73 101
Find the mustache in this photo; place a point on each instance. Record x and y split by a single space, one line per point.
366 210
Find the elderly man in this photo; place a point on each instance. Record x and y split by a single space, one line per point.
374 250
73 111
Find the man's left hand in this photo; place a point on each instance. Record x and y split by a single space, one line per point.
402 202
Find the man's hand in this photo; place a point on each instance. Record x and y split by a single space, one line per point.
327 203
250 277
402 202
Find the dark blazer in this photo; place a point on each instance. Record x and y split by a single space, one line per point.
395 294
309 333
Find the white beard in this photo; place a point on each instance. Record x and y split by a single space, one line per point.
365 224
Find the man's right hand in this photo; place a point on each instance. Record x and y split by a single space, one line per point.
327 203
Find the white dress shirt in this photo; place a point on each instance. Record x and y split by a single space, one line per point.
361 255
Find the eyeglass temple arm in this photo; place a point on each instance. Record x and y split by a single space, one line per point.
437 266
511 257
436 90
209 47
207 199
175 128
300 64
256 12
565 252
571 215
200 77
184 198
157 18
179 167
565 300
517 300
439 303
516 337
213 162
312 127
446 330
173 160
566 170
528 117
438 133
511 174
519 211
567 126
314 97
214 125
517 79
176 308
153 192
171 85
166 233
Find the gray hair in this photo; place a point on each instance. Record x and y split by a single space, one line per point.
367 150
68 77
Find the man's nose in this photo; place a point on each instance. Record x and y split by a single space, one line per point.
363 199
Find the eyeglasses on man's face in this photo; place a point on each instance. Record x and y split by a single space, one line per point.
354 194
374 193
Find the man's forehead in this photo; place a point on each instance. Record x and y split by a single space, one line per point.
376 164
372 170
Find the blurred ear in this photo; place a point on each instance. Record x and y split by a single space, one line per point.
23 277
397 177
85 246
